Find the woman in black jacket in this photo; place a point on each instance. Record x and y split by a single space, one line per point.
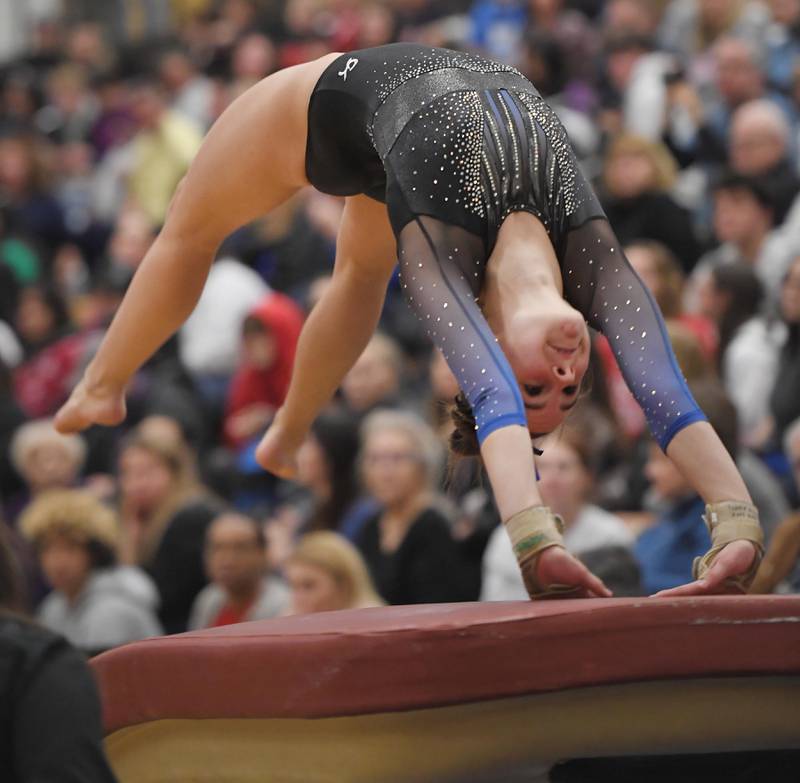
407 545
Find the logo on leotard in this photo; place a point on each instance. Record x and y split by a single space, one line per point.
351 63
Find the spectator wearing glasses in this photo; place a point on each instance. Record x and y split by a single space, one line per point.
241 587
407 545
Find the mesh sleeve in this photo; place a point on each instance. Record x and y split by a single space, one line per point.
441 271
599 281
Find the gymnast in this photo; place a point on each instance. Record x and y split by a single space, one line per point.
454 165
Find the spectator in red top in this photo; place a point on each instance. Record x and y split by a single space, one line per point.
269 339
52 352
241 588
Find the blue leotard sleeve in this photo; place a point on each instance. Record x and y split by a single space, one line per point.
599 281
441 268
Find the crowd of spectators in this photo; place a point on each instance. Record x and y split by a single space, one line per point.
684 113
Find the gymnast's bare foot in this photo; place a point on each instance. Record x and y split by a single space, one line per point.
277 451
90 404
556 566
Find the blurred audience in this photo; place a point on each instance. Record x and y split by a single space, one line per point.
761 146
44 459
327 469
374 380
784 401
325 573
638 175
780 569
50 724
94 603
240 587
744 221
160 152
666 549
259 385
408 545
684 113
750 345
164 512
566 483
210 339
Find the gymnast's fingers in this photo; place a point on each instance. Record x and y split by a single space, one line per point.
698 587
595 586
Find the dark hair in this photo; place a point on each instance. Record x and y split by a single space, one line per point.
745 291
757 187
6 379
545 47
258 530
464 437
337 435
54 302
12 595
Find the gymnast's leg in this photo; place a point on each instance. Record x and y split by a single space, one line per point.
337 329
252 159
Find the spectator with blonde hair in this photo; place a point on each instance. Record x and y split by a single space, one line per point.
408 544
638 176
325 572
94 603
45 458
164 512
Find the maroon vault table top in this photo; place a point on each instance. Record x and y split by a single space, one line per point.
398 658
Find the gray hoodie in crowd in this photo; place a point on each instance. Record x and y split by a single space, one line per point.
272 600
117 605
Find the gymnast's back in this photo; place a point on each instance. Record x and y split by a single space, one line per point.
343 153
454 143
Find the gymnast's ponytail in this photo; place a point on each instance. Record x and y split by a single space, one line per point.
464 438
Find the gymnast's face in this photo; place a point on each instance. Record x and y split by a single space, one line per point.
549 358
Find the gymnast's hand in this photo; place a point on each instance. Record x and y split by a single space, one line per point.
91 404
734 559
556 566
277 451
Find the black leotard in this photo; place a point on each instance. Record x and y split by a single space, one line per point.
453 143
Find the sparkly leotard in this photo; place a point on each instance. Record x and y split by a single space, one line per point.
453 143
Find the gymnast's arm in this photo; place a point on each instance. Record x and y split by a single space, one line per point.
235 177
337 330
600 282
614 301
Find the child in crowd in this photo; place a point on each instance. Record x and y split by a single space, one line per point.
95 603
